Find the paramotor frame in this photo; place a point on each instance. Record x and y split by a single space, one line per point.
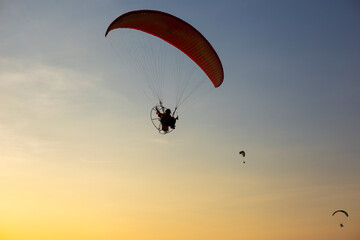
155 119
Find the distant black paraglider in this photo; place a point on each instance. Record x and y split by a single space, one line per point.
342 211
243 154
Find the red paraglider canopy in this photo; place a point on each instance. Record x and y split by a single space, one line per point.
178 33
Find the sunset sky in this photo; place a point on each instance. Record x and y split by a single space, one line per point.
80 159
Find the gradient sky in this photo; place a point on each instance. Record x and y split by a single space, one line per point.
79 158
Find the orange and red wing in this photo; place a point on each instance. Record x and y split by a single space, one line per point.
178 33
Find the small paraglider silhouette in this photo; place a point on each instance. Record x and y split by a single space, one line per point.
243 154
344 212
